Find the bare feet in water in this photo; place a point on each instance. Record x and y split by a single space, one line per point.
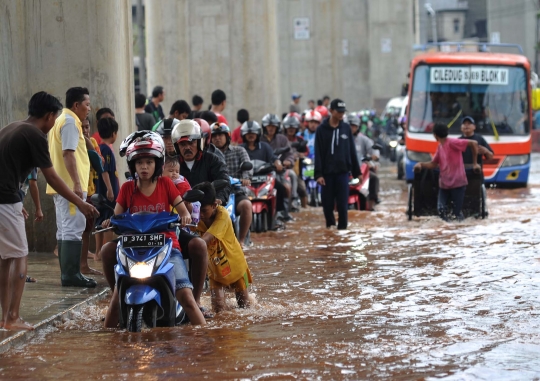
96 256
89 270
18 325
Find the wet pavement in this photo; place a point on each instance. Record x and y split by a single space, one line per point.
386 299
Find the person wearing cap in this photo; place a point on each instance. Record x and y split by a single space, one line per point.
295 107
467 132
335 158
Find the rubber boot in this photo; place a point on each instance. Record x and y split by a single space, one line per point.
70 265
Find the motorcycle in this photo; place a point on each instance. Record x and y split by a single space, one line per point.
262 194
236 186
144 275
313 188
359 189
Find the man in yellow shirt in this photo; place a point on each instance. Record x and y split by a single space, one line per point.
227 266
69 157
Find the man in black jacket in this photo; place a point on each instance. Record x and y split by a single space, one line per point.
334 162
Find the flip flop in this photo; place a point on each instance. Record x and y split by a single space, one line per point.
29 279
206 312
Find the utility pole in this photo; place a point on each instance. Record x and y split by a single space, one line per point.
142 48
433 15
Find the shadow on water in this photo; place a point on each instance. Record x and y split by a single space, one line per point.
387 298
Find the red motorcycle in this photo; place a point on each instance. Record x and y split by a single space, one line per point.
359 189
262 194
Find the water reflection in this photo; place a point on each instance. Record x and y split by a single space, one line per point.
386 299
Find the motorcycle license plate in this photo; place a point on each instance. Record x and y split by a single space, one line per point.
258 179
143 240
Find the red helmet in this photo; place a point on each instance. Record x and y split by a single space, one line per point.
206 131
313 115
322 110
145 147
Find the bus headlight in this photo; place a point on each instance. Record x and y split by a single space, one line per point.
418 156
514 160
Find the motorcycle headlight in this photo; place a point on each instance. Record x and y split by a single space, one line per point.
141 270
307 161
161 256
393 143
418 156
514 160
264 192
250 193
123 258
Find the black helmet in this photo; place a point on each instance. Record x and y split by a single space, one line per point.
271 120
164 127
251 127
291 122
221 128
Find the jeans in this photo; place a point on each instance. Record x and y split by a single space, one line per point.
336 192
456 195
180 270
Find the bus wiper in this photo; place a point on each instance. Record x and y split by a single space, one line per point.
495 132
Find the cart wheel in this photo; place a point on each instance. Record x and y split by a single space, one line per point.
410 206
483 212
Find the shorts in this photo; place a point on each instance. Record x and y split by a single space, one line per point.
238 286
13 243
184 238
89 221
105 213
237 198
180 270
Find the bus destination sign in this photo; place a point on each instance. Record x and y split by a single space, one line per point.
474 75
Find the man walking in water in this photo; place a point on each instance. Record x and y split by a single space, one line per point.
23 147
334 162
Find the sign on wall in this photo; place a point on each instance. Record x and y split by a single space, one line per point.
301 28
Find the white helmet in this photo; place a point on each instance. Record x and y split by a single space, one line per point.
187 130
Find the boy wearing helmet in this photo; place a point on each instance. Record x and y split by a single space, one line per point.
152 192
234 157
313 119
206 133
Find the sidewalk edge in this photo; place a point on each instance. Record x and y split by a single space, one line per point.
22 337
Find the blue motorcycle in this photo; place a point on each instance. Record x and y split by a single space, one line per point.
144 276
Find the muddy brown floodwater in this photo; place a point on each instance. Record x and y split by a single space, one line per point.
387 299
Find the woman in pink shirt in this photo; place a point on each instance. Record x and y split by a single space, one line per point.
452 178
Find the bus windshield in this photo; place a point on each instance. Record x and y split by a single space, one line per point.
495 96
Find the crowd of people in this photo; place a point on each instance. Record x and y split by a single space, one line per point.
166 156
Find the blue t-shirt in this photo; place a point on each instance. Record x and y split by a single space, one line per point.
108 167
310 138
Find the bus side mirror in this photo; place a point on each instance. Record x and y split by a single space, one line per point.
536 99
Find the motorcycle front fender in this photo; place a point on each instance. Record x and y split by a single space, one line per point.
141 294
258 206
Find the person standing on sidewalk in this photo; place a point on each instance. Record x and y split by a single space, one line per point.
335 158
69 157
23 147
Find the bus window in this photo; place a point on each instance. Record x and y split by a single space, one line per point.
495 96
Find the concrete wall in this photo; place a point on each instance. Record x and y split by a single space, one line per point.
195 47
516 23
389 20
53 45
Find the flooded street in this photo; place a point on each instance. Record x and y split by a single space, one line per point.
387 299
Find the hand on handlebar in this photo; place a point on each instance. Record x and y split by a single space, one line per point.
105 224
185 219
246 182
278 165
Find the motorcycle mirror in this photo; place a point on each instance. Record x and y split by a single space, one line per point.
300 146
377 146
366 158
220 184
194 195
246 166
97 199
282 150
